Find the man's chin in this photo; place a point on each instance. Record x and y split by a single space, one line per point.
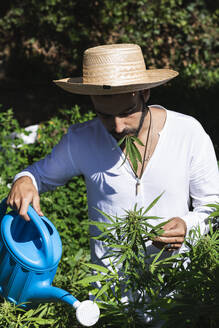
119 136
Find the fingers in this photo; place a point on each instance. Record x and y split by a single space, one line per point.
168 246
36 205
176 238
170 240
24 208
173 236
21 195
174 232
174 227
20 204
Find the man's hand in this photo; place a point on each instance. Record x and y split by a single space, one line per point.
173 236
22 194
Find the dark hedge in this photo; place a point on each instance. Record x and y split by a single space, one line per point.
42 40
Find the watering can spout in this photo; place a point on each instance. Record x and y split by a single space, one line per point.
54 294
87 312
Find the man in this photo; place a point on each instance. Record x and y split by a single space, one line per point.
178 156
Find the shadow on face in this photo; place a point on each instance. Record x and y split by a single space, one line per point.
116 104
121 114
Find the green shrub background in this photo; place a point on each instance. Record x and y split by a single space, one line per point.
177 33
67 205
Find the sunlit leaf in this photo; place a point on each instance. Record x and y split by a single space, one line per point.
137 140
90 279
153 203
103 289
97 267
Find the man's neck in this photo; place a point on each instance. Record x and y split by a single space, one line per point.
145 125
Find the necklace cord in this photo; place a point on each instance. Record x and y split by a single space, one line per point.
146 143
144 112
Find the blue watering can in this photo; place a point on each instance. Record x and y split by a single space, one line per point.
29 257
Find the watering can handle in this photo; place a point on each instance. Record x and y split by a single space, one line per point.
43 230
41 227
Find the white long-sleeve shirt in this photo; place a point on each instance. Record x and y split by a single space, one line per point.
183 166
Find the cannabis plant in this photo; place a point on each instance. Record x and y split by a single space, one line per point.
214 216
192 290
13 317
134 277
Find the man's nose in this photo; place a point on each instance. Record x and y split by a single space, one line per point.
119 124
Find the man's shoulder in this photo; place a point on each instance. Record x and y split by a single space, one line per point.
184 121
87 132
85 128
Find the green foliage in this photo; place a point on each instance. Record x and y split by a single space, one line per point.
9 162
215 212
173 33
67 206
194 301
13 317
214 216
129 236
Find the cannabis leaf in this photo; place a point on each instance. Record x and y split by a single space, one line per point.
131 150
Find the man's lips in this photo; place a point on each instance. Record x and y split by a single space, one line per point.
121 135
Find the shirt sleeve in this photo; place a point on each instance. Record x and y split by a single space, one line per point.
56 168
204 183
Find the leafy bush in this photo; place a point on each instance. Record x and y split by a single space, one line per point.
44 40
13 317
67 206
173 33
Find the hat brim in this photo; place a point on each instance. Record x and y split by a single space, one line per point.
153 78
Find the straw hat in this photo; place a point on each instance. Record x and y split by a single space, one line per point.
113 69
